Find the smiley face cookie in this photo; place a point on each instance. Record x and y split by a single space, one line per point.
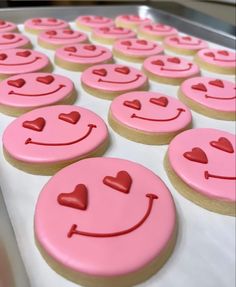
50 138
18 97
111 80
107 208
136 50
13 40
217 61
201 165
90 22
37 25
169 70
6 26
131 21
18 61
81 56
209 96
148 117
156 31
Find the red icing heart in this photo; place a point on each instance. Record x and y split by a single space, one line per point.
187 38
199 87
36 125
72 117
223 144
175 39
197 155
68 32
217 83
23 54
135 104
54 20
78 198
51 33
100 72
98 17
2 22
122 70
70 49
158 63
90 47
45 80
104 29
142 42
122 182
162 101
86 18
150 27
174 60
3 56
209 54
126 43
16 83
8 36
223 52
36 20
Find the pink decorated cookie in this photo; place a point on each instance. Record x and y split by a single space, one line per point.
201 165
209 96
216 60
17 95
81 56
37 25
89 22
186 45
17 61
110 80
131 21
6 26
136 50
105 220
53 39
50 138
13 40
156 31
169 69
108 35
148 117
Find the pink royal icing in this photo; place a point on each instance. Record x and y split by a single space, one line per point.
158 29
114 32
84 54
16 61
45 24
12 40
113 77
131 18
53 134
16 91
170 66
205 160
213 93
150 112
94 21
186 42
6 26
221 58
106 218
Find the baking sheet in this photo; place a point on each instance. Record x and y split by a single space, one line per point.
205 249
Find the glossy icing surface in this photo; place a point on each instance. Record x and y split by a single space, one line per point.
95 21
17 91
170 66
113 77
210 92
132 18
221 58
16 61
84 54
158 29
45 24
102 233
205 160
114 32
53 134
12 40
150 112
186 42
6 26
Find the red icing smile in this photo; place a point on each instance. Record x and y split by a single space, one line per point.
37 95
127 82
180 110
177 70
12 42
22 64
84 56
208 175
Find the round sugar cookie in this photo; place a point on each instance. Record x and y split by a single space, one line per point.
217 61
169 70
18 97
18 61
148 117
131 21
6 26
117 222
90 22
201 165
50 138
111 80
53 39
108 35
209 96
185 45
37 25
136 50
81 56
156 31
13 40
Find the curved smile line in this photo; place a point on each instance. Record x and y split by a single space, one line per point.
176 70
208 175
37 95
160 120
74 230
9 43
22 64
140 49
64 38
220 98
2 27
83 56
91 126
128 82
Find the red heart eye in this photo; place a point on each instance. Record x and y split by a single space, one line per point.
45 80
174 60
8 36
69 32
70 49
150 27
51 33
223 144
37 20
162 101
187 38
2 22
98 17
135 104
3 57
142 42
16 83
72 117
104 29
209 54
54 20
126 43
86 18
24 54
122 70
197 155
122 182
175 39
223 52
199 87
217 83
90 47
36 125
158 63
100 72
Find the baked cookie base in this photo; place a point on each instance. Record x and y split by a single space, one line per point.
212 204
147 36
130 58
180 51
103 40
83 27
132 26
